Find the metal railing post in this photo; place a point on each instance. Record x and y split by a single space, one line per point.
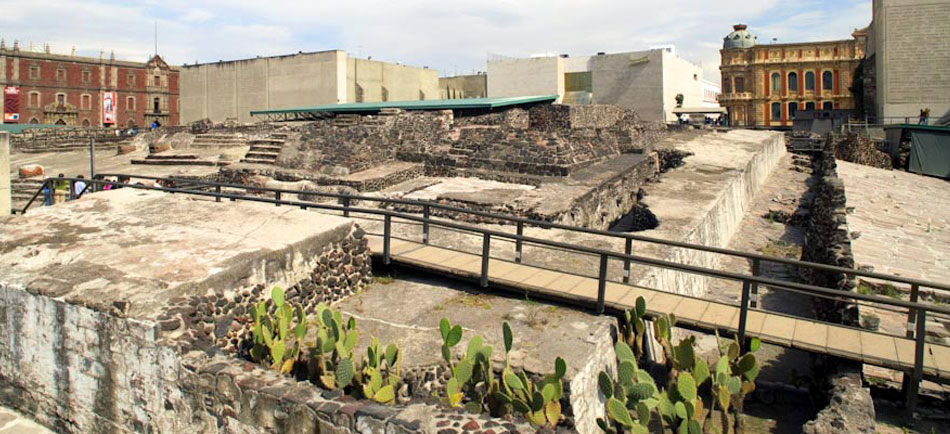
918 374
217 191
743 313
602 284
346 205
486 249
627 250
912 313
754 296
519 244
387 235
277 197
425 224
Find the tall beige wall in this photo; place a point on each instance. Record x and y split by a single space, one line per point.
526 77
232 89
633 80
464 86
908 39
383 81
5 191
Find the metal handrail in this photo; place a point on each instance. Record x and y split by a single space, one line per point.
917 312
550 225
799 287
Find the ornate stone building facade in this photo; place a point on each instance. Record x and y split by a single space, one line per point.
80 91
766 85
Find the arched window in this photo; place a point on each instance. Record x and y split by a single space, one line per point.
793 82
809 80
157 105
776 82
827 105
792 109
776 110
740 84
827 80
34 121
810 106
85 123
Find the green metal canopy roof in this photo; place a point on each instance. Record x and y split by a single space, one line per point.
438 104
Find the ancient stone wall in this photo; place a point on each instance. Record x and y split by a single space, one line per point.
541 141
856 148
54 139
827 240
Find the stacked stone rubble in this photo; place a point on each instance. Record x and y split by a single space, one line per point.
856 148
225 320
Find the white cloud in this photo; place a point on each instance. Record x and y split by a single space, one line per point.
446 35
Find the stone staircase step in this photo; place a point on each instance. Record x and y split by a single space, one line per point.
266 141
257 161
181 162
265 148
172 156
262 155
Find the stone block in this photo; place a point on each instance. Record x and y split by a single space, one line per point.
30 171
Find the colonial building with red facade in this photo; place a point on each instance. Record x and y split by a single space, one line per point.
46 88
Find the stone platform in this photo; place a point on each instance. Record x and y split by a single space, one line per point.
114 308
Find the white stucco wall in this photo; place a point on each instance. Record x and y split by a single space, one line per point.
633 80
912 57
526 77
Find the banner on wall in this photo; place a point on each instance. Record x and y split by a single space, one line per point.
11 104
108 107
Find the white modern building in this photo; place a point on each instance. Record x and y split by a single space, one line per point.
646 81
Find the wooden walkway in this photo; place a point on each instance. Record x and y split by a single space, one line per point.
774 328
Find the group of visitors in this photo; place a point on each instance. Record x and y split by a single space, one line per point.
59 190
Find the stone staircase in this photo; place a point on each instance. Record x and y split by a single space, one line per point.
21 190
178 160
266 150
218 140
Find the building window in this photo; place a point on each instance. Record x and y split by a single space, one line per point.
157 105
776 110
727 85
827 105
827 80
130 79
85 123
130 103
34 72
810 106
793 82
776 82
86 76
158 80
792 109
740 84
60 99
86 102
34 99
34 121
809 80
61 74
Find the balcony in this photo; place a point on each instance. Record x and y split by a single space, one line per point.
735 96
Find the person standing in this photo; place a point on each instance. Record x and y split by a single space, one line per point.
79 187
60 189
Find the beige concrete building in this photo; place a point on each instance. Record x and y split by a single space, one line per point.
909 50
230 90
464 86
646 81
766 85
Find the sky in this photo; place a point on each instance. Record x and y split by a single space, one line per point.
453 36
